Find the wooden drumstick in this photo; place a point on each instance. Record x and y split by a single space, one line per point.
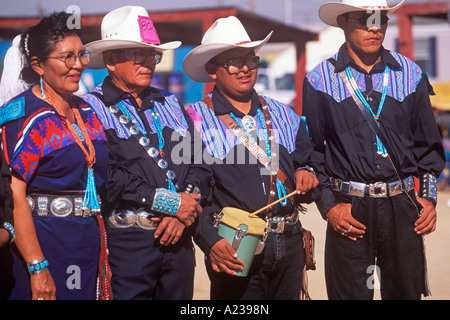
251 215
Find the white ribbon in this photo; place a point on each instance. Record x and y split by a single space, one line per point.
11 83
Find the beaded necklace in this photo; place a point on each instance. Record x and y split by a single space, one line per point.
380 148
79 133
280 187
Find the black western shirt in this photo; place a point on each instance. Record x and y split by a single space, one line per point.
240 180
344 145
133 176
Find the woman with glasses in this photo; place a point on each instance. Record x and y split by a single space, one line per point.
55 147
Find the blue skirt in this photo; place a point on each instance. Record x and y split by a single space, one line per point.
72 247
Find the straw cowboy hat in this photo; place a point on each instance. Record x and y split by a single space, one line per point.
223 35
329 11
126 27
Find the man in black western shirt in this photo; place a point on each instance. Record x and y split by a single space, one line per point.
150 207
242 178
375 221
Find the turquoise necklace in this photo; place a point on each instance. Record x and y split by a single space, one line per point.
380 148
280 187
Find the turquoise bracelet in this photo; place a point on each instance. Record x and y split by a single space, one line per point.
37 266
12 234
166 202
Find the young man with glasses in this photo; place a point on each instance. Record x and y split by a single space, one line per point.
149 237
244 169
369 159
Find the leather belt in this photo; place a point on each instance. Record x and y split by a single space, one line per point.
59 204
373 190
132 218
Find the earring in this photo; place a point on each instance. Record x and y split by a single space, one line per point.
42 88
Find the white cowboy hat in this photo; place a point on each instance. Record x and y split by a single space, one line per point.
223 35
126 27
329 11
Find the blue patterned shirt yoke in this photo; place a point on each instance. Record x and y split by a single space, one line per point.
219 140
170 113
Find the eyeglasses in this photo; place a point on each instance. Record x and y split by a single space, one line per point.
140 56
371 20
70 59
234 65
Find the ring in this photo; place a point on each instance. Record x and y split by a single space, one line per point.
349 229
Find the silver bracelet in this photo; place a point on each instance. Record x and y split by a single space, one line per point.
166 202
12 234
428 186
37 266
308 168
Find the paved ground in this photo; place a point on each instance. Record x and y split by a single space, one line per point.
438 255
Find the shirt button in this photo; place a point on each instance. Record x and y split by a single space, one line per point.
143 199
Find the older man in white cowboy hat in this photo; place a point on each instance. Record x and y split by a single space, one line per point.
149 207
268 160
373 131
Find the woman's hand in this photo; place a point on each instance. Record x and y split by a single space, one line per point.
42 286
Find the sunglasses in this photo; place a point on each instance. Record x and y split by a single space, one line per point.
140 56
70 59
234 65
371 19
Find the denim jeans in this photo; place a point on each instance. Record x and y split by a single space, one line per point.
389 245
276 273
143 269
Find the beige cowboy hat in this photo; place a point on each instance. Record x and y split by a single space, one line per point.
225 34
126 27
329 11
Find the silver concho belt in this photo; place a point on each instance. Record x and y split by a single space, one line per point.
131 218
58 205
373 190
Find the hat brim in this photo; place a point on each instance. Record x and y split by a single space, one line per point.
329 12
194 63
97 48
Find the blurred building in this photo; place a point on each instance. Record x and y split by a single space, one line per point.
189 26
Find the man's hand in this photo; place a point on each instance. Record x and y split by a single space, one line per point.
170 229
426 223
190 209
305 181
224 258
342 221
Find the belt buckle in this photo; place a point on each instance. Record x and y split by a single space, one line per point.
276 225
378 190
356 189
